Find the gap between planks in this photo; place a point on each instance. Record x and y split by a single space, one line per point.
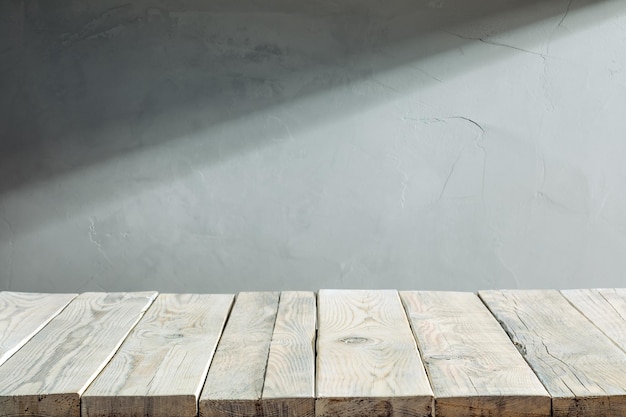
252 373
367 358
47 376
160 368
579 300
580 367
474 368
23 315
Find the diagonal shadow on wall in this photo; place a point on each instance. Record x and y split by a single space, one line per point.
83 82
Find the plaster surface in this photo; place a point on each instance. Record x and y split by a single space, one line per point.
214 146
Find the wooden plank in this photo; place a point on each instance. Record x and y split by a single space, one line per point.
605 307
234 384
474 368
49 373
367 360
22 315
289 387
580 367
161 367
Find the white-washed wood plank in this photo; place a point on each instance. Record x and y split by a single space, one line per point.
605 307
22 315
367 358
49 373
234 384
474 368
160 368
290 376
580 367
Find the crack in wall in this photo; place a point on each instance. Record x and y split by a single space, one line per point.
450 173
479 143
567 10
425 73
544 56
494 43
548 45
558 25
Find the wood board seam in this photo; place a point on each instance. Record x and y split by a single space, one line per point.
377 313
36 330
592 322
421 355
520 349
217 343
315 345
269 348
117 347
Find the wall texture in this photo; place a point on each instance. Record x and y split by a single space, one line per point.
224 145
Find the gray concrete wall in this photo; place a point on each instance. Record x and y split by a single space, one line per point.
224 145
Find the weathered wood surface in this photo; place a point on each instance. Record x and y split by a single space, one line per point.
367 362
234 385
49 373
605 307
580 367
289 388
161 367
22 315
474 368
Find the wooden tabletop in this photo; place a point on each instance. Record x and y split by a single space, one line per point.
383 353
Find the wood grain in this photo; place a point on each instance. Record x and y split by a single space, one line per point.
290 376
367 359
605 307
49 373
580 367
474 368
161 367
234 384
22 315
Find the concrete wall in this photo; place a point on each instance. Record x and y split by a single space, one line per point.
224 145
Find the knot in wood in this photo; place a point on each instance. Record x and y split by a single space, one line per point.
355 340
